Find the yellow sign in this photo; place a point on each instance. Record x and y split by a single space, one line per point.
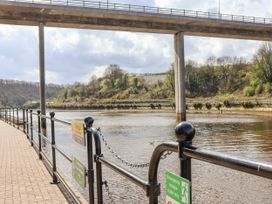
78 132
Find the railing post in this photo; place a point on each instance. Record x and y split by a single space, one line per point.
53 142
99 182
31 128
27 126
24 120
13 119
17 115
10 116
39 134
185 132
88 123
6 115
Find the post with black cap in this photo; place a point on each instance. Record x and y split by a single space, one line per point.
89 123
53 142
185 132
17 116
13 118
24 125
39 134
27 125
31 127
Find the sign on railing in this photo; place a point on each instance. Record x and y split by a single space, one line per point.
177 189
79 172
78 132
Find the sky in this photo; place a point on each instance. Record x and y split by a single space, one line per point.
74 55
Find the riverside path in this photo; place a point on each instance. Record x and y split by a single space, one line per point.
23 177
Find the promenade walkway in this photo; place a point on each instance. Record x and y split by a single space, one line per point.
23 177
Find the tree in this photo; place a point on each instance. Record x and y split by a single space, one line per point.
113 72
263 63
170 80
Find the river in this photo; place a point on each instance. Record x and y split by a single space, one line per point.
134 136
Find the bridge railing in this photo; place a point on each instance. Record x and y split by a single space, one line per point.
152 10
184 131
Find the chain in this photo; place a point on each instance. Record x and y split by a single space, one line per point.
164 155
133 165
108 192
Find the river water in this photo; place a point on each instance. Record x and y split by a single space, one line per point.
134 136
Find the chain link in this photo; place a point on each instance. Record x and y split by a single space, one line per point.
133 165
107 189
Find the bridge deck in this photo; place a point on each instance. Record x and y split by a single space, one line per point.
23 177
85 14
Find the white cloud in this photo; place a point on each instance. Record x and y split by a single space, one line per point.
74 55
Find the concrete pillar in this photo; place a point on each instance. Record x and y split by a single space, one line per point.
42 77
180 77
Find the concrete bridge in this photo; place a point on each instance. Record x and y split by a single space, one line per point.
85 14
134 18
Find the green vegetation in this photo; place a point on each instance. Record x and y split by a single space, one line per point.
16 93
227 77
223 80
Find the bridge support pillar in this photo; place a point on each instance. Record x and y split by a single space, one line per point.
180 77
42 77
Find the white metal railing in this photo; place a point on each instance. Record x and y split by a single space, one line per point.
151 10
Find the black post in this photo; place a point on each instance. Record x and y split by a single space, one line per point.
89 122
9 115
24 120
39 134
99 182
6 115
31 128
53 142
185 132
17 115
13 119
27 125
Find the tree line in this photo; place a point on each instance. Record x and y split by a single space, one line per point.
218 76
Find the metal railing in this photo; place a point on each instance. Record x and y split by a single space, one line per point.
24 121
185 133
152 10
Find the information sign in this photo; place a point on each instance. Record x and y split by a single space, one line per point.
79 172
78 132
177 189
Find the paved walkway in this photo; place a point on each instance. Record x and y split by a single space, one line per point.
23 177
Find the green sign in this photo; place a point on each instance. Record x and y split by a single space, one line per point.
177 189
79 172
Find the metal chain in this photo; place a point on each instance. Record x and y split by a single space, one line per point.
133 165
107 189
164 155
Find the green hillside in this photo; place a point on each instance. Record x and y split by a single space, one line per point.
13 92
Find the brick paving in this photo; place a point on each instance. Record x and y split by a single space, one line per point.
23 177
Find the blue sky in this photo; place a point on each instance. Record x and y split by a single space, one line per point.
75 55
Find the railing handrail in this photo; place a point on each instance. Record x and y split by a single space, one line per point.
151 10
184 132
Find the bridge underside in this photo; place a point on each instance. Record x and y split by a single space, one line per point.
89 18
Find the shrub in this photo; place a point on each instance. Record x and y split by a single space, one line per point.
227 104
218 106
208 106
198 106
268 88
259 89
247 104
248 91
